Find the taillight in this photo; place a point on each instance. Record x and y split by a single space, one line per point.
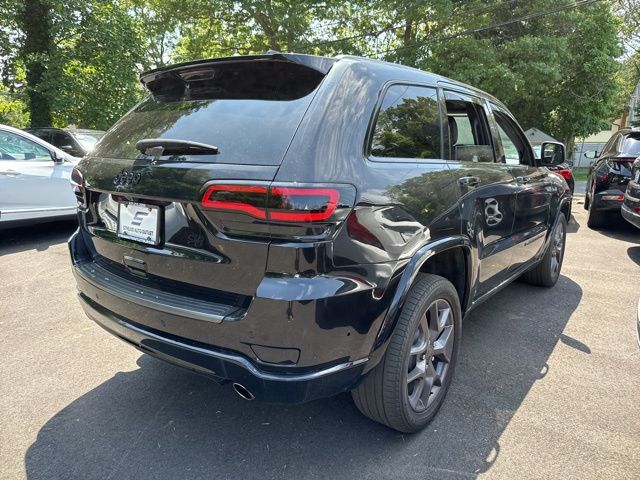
283 204
565 173
77 184
613 198
300 212
249 199
292 204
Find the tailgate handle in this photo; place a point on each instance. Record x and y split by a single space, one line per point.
135 265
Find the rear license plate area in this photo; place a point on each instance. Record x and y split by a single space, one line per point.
139 222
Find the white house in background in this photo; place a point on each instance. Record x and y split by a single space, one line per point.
591 143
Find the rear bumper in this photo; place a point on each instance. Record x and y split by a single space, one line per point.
601 203
630 216
284 347
631 207
224 366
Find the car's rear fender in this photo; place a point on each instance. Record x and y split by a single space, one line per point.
410 269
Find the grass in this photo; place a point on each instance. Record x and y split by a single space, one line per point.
580 173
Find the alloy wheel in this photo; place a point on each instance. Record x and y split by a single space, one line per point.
557 248
430 355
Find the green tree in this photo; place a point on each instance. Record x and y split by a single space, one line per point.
34 18
96 68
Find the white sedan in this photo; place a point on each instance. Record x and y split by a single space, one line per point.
34 179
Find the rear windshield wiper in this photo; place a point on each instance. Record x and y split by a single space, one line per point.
157 147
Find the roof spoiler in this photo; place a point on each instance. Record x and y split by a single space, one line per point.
196 70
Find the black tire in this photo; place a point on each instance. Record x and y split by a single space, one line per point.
386 395
595 218
547 272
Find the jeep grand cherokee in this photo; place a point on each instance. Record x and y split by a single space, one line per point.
301 226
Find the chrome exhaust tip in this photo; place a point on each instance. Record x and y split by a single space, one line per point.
243 392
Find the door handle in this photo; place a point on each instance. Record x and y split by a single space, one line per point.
469 181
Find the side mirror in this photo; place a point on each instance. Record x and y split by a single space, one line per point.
591 154
56 157
67 148
553 153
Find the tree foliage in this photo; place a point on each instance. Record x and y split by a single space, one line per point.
79 60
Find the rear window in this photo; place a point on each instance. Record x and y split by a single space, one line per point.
631 146
249 111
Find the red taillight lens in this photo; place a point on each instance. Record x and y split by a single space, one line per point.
283 204
250 199
302 204
566 173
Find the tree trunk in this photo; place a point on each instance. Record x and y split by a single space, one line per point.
569 143
35 22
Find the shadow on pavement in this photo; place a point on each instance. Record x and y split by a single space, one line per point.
35 237
163 422
617 227
634 254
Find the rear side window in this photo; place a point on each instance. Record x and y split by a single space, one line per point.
408 124
249 110
631 146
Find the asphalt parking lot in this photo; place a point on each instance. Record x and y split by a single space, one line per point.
548 386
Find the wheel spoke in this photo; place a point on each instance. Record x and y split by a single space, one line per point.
415 399
417 372
443 346
430 371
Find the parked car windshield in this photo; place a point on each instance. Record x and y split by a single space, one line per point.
631 145
88 140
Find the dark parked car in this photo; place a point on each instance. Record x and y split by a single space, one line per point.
302 226
609 175
74 141
559 166
631 204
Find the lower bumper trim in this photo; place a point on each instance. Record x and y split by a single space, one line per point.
286 387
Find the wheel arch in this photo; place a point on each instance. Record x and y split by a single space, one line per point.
433 257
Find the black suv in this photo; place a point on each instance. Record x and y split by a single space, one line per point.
302 226
609 175
74 141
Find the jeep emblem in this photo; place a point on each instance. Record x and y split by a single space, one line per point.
127 179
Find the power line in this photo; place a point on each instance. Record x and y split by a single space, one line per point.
487 8
471 31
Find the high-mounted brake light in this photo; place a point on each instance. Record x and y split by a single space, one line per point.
277 203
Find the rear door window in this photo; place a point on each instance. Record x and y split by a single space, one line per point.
408 124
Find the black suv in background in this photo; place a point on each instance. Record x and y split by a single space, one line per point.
631 206
74 141
609 175
302 226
